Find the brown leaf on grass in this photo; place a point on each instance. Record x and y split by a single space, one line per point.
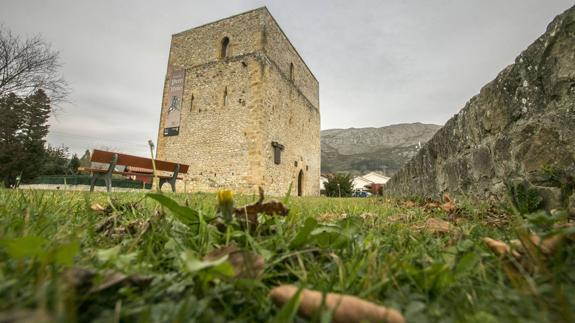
495 217
346 308
400 217
548 245
531 243
246 264
97 207
431 205
85 280
504 251
249 213
114 228
530 253
330 216
434 225
448 204
499 248
409 204
551 244
117 279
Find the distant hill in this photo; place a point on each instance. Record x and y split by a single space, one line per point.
359 150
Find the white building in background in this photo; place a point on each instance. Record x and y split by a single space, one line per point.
322 181
364 182
359 183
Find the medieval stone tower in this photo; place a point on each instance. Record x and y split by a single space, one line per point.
241 107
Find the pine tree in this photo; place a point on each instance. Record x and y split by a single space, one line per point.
56 161
74 164
11 145
37 113
23 130
339 185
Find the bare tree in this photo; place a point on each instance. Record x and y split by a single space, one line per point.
27 65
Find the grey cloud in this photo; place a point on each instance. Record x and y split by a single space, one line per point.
378 62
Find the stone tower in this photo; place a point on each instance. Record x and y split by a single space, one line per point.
241 107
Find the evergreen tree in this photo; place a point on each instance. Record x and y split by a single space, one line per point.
56 161
23 129
36 117
339 185
11 143
74 164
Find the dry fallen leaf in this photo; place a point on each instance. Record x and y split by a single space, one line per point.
329 216
431 205
246 264
113 227
346 308
117 279
97 207
409 204
249 213
434 225
448 204
84 280
499 248
530 254
502 250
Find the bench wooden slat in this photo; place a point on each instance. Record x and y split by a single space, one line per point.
101 156
98 170
142 167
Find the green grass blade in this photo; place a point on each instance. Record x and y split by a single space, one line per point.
186 215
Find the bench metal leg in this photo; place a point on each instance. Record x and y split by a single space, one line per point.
173 185
107 176
170 181
93 182
108 180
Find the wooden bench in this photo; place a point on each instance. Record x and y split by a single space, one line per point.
135 166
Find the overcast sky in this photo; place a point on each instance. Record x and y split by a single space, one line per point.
378 62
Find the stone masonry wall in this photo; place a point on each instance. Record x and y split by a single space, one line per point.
282 54
201 45
520 127
292 121
229 145
215 138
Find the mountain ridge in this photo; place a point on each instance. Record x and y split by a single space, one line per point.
384 149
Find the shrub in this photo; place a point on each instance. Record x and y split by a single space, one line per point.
339 185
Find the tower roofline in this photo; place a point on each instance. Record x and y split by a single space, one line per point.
219 20
245 13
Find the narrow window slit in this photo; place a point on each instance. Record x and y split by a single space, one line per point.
224 49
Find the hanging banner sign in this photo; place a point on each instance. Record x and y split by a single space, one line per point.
175 95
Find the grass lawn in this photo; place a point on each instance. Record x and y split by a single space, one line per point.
134 260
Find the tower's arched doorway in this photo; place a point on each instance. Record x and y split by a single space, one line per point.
300 183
